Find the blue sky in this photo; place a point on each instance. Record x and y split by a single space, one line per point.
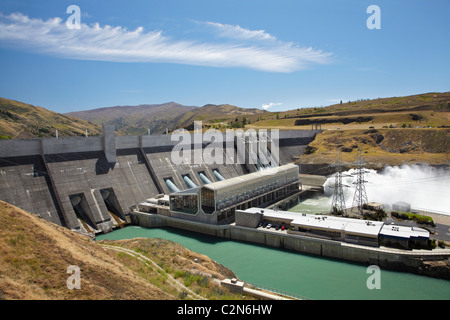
280 55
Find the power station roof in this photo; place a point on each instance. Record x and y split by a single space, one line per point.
351 226
249 177
329 223
404 232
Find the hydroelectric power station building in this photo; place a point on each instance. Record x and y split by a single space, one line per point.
242 201
217 202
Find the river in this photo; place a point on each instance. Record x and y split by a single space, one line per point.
305 275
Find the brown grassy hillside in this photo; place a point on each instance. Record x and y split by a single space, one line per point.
381 147
390 131
429 109
215 115
19 120
35 255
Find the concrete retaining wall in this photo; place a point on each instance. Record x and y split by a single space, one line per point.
149 220
389 259
248 219
71 145
19 148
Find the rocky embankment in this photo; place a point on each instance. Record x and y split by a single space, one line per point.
431 268
379 148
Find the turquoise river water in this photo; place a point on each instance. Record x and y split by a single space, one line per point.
305 275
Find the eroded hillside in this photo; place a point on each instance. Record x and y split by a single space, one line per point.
381 147
35 256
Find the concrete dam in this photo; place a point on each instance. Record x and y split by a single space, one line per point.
89 184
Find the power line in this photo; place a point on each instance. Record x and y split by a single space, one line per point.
419 180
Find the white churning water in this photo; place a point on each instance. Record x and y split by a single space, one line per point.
422 186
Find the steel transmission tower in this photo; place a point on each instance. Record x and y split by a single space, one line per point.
360 197
338 202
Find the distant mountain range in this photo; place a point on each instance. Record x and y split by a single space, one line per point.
21 121
136 120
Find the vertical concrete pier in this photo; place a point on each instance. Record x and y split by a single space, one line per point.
109 143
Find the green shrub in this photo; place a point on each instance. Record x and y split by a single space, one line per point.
182 295
432 243
179 273
413 216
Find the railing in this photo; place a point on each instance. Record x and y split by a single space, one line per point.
278 291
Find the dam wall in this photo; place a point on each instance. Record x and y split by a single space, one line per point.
394 259
88 184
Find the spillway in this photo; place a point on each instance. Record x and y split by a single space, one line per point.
204 178
189 182
218 175
172 187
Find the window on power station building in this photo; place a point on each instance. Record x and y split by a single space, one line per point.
184 203
208 201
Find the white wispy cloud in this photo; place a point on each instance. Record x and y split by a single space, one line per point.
236 32
118 44
270 105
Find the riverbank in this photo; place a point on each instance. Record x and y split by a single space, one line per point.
40 260
433 263
306 275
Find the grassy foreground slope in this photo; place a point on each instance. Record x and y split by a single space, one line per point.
35 255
